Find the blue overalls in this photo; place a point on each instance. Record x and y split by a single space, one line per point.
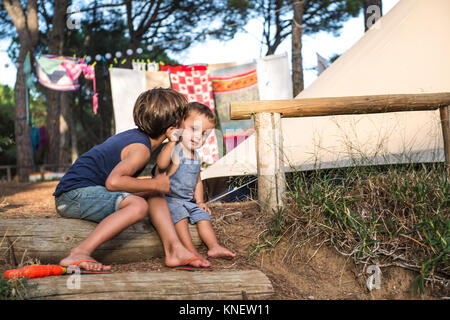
181 199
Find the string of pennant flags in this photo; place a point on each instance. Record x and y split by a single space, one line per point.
104 58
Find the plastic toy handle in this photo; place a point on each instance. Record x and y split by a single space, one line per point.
35 271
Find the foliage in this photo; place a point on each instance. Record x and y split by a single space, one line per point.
7 148
318 15
16 289
173 25
7 114
393 215
328 15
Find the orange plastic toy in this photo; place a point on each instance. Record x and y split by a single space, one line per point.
35 271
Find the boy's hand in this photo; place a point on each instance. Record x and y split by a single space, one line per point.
205 207
162 183
174 134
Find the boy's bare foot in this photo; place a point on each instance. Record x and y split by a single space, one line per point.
179 255
220 252
198 255
92 264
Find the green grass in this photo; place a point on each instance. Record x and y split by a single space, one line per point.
385 215
15 289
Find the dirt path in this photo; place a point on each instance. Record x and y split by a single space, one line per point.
315 271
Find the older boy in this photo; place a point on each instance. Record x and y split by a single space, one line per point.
102 185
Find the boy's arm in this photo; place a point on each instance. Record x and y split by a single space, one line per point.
198 195
164 159
134 157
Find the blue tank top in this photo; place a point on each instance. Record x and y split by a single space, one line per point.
94 166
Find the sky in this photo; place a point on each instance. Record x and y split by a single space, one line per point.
247 46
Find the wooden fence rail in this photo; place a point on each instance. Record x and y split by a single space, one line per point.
267 115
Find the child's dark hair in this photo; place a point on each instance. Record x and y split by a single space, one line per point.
201 109
158 109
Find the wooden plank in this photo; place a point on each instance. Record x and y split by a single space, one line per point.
312 107
445 122
50 240
269 159
170 285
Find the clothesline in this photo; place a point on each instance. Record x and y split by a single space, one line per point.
214 85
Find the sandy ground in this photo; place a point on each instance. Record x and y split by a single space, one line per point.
315 272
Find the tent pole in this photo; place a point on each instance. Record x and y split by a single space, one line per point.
269 160
445 122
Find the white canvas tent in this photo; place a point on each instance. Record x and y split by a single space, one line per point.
406 52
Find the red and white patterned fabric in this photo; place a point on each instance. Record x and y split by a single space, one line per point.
196 86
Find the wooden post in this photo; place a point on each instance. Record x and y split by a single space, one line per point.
269 159
8 173
42 171
445 122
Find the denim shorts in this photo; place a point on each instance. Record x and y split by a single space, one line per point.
181 209
89 203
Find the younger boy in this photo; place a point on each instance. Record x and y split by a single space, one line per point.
102 185
182 164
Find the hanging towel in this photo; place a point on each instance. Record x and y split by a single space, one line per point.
159 79
196 86
35 138
27 70
126 86
74 70
48 65
42 138
89 74
28 84
274 77
234 83
152 67
59 79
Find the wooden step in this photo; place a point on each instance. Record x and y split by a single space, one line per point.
50 240
169 285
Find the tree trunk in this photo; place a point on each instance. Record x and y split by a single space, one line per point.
64 129
25 161
297 61
54 97
372 14
73 134
28 32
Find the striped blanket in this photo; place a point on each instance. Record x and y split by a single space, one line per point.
234 83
